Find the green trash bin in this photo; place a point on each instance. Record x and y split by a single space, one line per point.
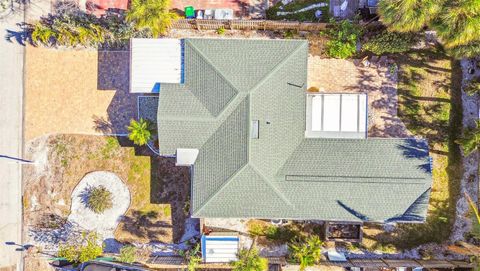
189 12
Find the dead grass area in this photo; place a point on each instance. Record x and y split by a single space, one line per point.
270 235
33 263
430 107
156 186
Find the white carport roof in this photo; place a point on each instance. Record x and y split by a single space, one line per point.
155 61
336 115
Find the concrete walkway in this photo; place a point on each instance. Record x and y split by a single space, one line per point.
11 100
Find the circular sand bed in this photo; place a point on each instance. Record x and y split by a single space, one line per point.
106 222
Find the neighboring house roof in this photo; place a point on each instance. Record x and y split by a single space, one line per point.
281 174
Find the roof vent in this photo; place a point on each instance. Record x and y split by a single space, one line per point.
254 129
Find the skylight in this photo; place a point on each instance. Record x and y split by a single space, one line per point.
336 115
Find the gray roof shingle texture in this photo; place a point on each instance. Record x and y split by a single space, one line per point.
282 174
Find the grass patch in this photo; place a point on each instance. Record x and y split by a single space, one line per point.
430 106
306 16
76 155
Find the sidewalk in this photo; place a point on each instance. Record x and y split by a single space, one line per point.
11 102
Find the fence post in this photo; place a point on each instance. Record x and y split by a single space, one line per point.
197 25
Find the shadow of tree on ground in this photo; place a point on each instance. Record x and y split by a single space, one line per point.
430 105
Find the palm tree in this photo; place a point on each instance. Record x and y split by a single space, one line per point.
250 260
458 23
470 140
408 15
140 132
153 15
306 252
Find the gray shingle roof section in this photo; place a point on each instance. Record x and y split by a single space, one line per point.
224 153
209 86
280 174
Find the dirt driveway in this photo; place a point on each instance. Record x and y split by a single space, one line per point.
76 91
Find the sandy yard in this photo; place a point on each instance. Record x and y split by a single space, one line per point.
158 189
343 76
76 91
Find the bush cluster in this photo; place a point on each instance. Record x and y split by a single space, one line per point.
81 29
343 37
388 42
274 233
99 199
127 254
81 250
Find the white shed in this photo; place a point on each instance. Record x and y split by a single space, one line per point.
219 248
155 61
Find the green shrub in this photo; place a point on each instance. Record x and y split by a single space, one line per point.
250 260
385 248
82 29
473 87
289 34
127 254
390 43
343 37
81 250
99 199
192 257
221 30
280 234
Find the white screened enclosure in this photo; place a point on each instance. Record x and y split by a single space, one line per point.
336 115
155 61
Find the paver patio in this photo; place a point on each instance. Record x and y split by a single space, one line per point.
343 76
76 91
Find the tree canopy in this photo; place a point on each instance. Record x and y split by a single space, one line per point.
408 15
153 15
457 23
306 252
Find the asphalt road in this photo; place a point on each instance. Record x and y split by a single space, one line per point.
11 115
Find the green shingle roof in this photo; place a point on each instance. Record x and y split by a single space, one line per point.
281 174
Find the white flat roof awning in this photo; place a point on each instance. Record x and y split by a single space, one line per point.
336 115
219 249
155 61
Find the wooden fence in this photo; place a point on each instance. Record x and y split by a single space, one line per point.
246 25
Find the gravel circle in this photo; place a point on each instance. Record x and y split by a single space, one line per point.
106 222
